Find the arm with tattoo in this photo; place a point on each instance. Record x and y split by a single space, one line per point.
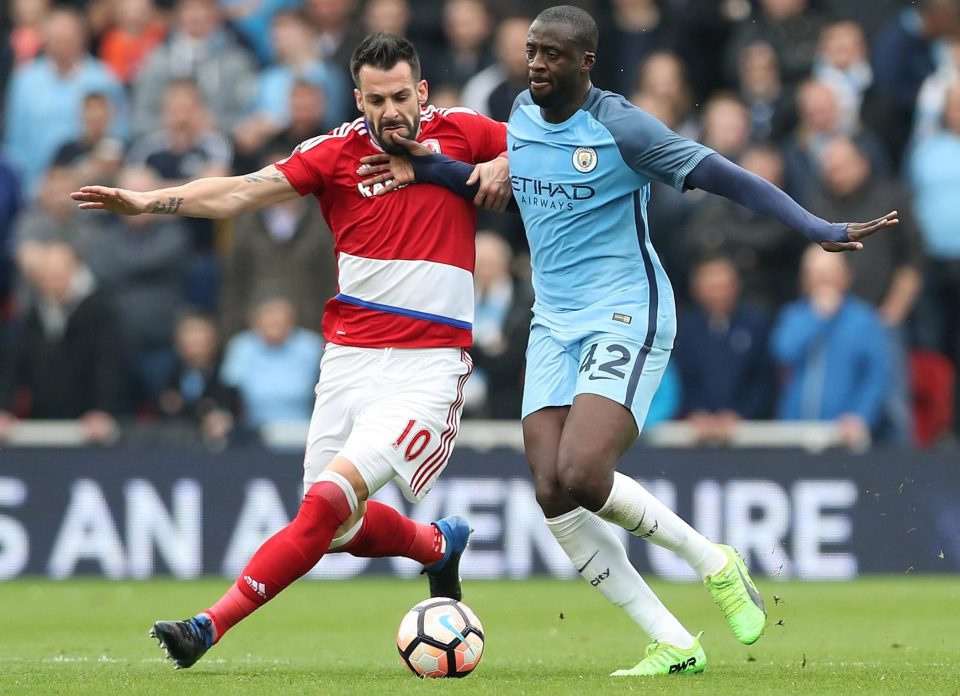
212 197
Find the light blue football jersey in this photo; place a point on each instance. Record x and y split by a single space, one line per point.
582 187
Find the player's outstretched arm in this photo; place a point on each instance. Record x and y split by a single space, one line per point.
213 197
716 174
487 183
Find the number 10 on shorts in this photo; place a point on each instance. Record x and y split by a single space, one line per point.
415 444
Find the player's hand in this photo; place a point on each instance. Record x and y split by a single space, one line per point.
99 427
400 169
114 200
390 171
858 230
854 431
8 422
495 190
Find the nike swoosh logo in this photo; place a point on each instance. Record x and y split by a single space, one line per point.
445 622
754 595
593 377
580 570
518 146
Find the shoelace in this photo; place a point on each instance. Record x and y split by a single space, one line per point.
199 631
659 654
729 599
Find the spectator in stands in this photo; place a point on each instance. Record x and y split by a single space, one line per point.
194 392
764 252
274 365
298 60
96 155
638 28
791 27
726 125
201 50
934 172
127 45
872 15
45 96
52 216
467 26
664 92
286 247
500 330
10 202
843 62
6 65
252 21
64 356
820 123
770 103
140 261
932 97
388 16
722 353
185 148
26 33
833 351
906 52
887 273
663 79
308 109
337 31
492 91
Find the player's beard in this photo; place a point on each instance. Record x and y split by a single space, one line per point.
390 147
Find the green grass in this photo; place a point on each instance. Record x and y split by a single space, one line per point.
878 635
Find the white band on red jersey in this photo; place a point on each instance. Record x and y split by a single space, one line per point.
420 289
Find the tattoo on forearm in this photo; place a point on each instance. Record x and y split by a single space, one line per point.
276 178
169 208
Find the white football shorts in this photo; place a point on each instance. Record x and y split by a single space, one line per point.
393 412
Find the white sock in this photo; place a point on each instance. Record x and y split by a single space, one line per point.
634 508
602 561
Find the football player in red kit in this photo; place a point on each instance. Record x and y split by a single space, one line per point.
391 383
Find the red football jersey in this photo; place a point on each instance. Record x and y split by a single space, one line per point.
405 260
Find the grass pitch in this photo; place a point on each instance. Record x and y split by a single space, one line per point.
879 635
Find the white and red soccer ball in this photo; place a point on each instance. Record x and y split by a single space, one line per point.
440 637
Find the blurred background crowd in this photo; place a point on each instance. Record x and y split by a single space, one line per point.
851 106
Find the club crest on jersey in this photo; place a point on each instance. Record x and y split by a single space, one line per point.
584 159
432 144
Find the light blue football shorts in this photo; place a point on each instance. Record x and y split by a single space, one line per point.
620 368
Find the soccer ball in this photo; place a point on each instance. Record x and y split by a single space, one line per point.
440 637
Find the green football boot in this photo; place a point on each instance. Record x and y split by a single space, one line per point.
738 598
663 658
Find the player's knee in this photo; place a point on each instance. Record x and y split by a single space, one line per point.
550 494
583 480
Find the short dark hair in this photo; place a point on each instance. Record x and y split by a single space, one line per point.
585 32
383 51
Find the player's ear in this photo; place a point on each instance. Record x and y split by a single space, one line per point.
359 98
589 60
423 92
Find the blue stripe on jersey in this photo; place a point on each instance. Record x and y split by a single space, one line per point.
413 314
654 298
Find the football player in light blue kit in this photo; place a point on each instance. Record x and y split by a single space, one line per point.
581 164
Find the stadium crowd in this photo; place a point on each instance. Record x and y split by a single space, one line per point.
851 106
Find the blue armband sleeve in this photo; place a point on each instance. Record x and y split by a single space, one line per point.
445 171
716 174
452 174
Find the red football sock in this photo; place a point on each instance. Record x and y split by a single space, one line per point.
385 532
285 556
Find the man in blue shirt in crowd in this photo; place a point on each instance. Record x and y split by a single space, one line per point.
581 163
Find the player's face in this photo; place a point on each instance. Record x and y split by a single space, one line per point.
391 101
557 69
